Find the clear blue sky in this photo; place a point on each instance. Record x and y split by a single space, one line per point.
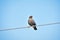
15 13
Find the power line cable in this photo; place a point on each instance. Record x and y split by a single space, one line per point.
29 26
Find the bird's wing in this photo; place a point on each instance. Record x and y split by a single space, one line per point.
31 22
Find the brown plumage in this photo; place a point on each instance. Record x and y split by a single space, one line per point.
31 22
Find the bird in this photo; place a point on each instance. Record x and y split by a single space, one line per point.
32 23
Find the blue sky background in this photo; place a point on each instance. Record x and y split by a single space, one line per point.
15 13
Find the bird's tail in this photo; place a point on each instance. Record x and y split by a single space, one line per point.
34 27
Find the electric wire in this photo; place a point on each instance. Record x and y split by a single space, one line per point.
29 26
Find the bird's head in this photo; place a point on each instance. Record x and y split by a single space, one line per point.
30 16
